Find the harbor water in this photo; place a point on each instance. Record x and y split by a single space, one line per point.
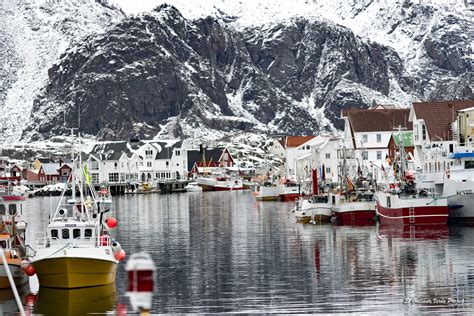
218 252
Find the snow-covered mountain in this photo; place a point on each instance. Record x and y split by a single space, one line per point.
261 66
33 34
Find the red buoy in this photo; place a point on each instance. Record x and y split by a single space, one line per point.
111 222
30 271
120 255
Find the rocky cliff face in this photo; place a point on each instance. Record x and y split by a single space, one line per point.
32 36
160 73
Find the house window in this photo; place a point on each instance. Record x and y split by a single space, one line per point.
113 177
379 155
121 164
148 164
423 132
364 138
328 170
115 165
149 153
178 152
365 155
167 164
379 138
122 177
95 177
94 164
328 156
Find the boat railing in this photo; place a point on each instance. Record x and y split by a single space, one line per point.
46 242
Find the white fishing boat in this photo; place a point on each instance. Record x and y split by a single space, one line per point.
267 192
78 250
313 208
228 183
193 187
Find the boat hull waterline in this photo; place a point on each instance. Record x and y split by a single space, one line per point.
420 215
70 273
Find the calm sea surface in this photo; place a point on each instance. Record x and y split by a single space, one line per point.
220 252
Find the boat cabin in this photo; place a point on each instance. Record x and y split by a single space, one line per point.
75 232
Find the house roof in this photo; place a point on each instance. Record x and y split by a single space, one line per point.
50 168
407 137
439 115
111 150
166 148
377 120
294 141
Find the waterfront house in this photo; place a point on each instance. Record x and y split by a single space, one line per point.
368 132
295 148
52 172
219 157
396 140
138 161
435 131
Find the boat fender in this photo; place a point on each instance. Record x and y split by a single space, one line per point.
111 222
116 247
120 255
30 271
24 264
21 225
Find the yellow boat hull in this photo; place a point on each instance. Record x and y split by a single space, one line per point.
71 273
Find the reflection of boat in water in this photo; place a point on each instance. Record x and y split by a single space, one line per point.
417 232
99 299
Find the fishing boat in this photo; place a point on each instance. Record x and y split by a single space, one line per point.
78 250
207 183
193 187
313 208
402 203
289 191
12 236
354 204
454 179
228 183
266 192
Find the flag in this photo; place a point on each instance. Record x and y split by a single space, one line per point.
87 176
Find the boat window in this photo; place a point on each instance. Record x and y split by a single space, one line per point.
3 244
88 233
76 233
12 209
65 233
54 233
2 209
388 202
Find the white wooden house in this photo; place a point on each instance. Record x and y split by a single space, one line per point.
138 161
